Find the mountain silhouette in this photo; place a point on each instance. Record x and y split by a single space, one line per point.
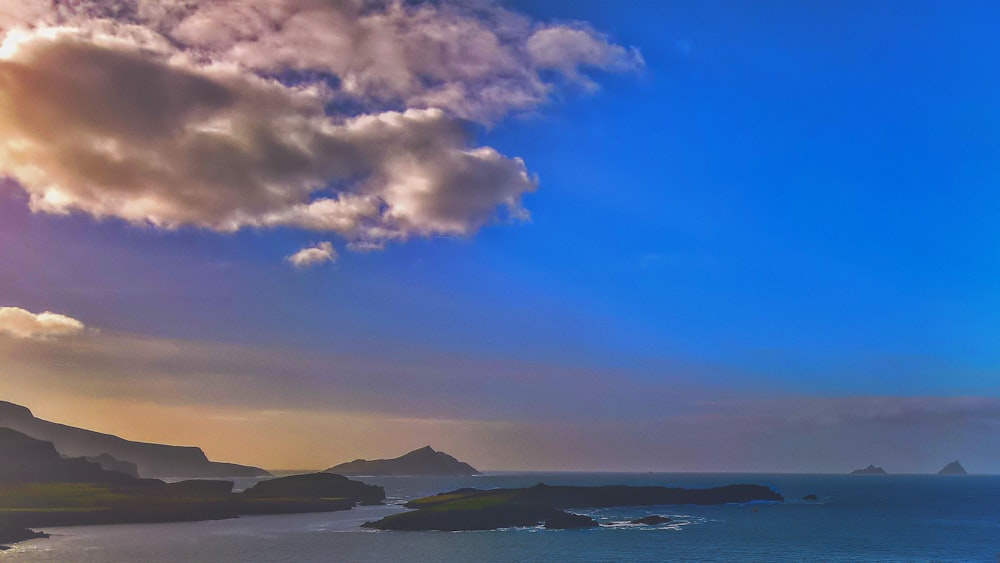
151 460
423 461
953 468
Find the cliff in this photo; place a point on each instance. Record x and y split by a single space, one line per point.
151 460
424 461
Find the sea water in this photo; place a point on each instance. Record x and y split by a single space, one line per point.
857 518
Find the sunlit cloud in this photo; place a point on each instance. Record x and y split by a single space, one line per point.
349 117
313 255
21 323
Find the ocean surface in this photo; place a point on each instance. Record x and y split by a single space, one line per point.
857 518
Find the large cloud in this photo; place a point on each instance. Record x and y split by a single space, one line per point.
347 117
20 323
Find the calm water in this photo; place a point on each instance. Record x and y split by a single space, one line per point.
858 518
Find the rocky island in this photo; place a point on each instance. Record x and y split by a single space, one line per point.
118 454
870 470
423 461
478 509
953 468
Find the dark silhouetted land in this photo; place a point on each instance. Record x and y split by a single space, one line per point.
870 470
151 460
477 509
953 468
40 488
423 461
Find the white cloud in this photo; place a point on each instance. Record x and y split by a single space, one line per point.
343 117
322 252
20 323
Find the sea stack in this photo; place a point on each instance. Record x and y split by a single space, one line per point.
953 468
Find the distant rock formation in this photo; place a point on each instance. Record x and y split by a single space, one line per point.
953 468
27 460
151 460
424 461
870 470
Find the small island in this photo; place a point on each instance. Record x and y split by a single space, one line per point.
478 509
423 461
953 468
870 470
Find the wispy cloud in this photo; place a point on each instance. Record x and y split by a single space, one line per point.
21 323
313 255
346 117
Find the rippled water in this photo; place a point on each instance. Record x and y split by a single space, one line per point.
858 518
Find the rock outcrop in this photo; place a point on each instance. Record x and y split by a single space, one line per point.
569 521
424 461
151 460
14 534
652 520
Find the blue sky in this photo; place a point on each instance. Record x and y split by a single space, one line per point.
787 200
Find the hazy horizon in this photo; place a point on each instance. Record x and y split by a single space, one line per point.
590 236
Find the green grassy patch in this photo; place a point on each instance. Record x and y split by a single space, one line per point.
61 496
472 503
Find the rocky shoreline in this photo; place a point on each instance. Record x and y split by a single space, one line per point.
13 534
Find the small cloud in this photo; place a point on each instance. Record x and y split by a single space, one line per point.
20 323
365 245
310 256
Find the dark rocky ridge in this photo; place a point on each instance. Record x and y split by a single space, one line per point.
27 460
423 461
151 460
